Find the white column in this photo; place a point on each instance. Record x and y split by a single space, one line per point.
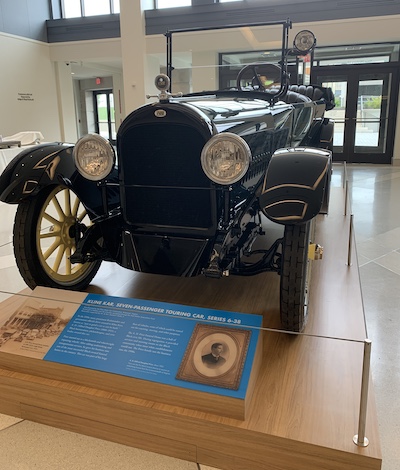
119 101
66 102
133 48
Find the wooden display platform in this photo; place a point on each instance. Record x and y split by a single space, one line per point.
27 357
304 410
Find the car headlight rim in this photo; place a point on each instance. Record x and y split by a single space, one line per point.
224 143
94 157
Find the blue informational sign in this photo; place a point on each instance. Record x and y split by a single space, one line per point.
161 342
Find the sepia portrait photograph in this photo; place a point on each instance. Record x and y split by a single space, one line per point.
215 356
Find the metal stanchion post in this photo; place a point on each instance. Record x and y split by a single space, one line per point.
346 196
350 241
344 173
360 439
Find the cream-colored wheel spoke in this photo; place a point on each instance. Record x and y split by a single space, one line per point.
82 215
51 219
68 265
52 248
67 198
50 234
59 257
75 207
58 208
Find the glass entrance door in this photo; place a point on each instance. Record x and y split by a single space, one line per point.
105 114
365 111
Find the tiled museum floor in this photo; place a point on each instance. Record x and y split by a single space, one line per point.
375 196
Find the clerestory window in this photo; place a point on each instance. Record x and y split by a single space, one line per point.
77 8
159 4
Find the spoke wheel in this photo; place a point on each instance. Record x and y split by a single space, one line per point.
45 233
295 276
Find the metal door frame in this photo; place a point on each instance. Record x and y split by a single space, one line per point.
353 74
106 92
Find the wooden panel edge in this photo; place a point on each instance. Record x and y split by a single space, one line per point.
222 405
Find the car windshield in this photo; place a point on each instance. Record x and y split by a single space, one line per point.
203 60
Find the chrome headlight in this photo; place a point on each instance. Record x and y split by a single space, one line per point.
94 157
304 41
225 158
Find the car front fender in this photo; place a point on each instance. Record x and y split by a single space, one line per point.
49 164
295 184
34 168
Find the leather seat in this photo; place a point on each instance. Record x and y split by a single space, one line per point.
296 97
310 91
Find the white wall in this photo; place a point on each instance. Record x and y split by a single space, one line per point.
28 95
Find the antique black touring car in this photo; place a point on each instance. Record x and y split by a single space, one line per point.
194 178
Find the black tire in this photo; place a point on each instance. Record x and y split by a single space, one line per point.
44 239
295 277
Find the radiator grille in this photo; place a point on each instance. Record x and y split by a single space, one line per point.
163 183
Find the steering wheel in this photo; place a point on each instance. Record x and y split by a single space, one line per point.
263 76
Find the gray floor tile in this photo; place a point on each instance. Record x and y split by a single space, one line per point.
381 300
375 196
362 260
371 250
390 239
390 261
